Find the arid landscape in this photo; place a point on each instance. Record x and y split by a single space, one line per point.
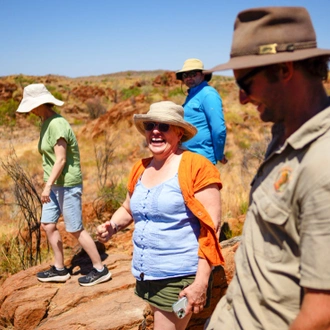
100 110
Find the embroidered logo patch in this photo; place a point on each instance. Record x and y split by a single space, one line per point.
283 179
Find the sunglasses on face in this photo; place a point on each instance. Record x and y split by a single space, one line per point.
149 126
246 86
190 74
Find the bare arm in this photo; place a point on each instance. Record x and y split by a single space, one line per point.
315 311
196 292
60 160
119 220
211 199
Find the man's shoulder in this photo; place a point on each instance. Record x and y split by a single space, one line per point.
313 132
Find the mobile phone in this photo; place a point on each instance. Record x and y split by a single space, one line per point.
179 307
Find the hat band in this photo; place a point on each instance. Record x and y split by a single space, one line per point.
276 48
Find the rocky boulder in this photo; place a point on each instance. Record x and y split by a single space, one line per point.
28 304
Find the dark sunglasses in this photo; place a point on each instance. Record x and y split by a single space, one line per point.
190 74
245 87
149 126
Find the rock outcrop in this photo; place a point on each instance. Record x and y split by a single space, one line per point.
27 304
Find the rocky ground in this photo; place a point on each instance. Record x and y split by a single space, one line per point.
28 304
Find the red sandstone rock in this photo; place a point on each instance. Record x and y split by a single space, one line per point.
28 304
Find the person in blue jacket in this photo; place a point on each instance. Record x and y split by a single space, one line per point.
203 109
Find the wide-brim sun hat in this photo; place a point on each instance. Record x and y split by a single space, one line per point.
165 112
35 95
271 35
192 64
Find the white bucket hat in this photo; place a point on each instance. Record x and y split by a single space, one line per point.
166 112
35 95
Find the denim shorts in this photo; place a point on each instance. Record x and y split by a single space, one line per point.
65 201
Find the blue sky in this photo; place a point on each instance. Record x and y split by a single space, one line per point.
93 37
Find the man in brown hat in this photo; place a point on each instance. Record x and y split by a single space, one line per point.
203 109
282 278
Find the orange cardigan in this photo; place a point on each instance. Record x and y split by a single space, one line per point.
195 172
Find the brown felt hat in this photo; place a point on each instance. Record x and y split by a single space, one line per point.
270 35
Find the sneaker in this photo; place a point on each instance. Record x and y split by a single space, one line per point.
95 277
54 275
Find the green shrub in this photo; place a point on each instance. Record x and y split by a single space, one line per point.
233 118
77 122
244 207
34 120
229 154
23 81
51 88
109 200
244 144
129 92
174 92
237 230
10 262
12 259
114 196
56 94
8 112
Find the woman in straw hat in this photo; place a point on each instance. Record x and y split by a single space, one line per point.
174 200
62 192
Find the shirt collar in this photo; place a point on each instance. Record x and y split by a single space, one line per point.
311 130
198 87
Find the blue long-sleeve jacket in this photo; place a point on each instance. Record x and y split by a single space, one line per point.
203 109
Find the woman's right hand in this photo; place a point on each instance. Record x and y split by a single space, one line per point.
45 194
103 232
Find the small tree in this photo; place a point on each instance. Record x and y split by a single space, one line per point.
95 108
29 236
110 191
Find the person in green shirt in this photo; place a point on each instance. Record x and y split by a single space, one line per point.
63 186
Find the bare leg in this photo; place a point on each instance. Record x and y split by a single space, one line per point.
55 241
89 246
168 320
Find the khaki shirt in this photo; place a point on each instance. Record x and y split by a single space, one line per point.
286 239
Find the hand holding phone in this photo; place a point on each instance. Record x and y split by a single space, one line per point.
179 307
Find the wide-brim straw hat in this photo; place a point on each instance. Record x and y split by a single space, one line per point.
192 64
165 112
271 35
35 95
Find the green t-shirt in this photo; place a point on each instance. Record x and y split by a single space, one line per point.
52 130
